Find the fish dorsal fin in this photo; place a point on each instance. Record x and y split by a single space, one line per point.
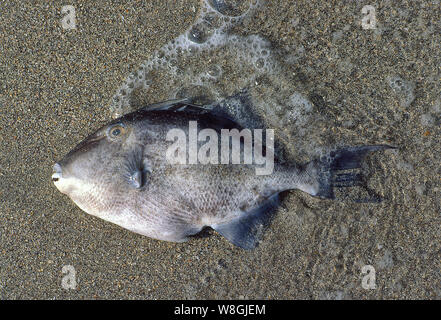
187 105
246 230
180 105
219 118
167 105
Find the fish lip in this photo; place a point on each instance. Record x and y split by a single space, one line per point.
57 175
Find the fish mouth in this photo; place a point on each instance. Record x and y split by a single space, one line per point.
57 175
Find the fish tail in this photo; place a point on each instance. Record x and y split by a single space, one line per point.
331 171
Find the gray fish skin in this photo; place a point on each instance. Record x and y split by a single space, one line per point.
120 174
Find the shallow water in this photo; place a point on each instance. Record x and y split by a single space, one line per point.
314 74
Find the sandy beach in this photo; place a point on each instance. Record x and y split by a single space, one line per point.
378 85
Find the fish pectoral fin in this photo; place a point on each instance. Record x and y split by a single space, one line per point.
245 231
135 179
136 169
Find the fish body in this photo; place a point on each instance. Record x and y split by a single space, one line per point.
121 174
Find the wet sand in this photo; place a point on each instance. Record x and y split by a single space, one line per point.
374 86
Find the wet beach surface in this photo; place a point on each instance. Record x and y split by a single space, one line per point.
368 86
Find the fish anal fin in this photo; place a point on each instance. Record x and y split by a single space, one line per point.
246 230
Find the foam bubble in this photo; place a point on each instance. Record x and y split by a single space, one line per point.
214 71
230 8
208 62
427 120
403 89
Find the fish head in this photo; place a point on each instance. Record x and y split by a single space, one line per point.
91 174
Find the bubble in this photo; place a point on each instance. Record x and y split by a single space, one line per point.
199 33
231 8
196 35
139 73
260 63
427 120
200 94
193 49
148 82
403 89
214 71
299 112
213 20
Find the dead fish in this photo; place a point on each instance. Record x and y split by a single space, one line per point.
120 174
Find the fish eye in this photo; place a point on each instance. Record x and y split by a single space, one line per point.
116 131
